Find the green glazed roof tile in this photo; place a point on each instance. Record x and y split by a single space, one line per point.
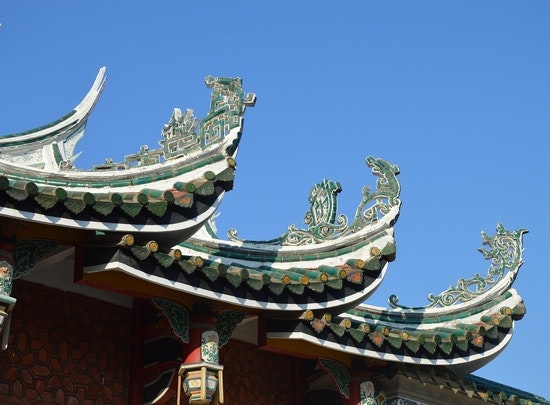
222 268
234 279
373 264
205 189
338 330
297 289
164 259
430 347
316 286
47 194
140 252
187 266
238 271
104 208
335 284
17 194
491 332
356 334
394 341
462 345
412 345
257 275
76 206
276 287
131 209
446 347
226 175
211 273
46 201
255 284
158 209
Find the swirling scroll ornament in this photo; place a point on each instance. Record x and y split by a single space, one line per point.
28 253
378 203
177 315
185 134
339 372
505 252
323 225
227 322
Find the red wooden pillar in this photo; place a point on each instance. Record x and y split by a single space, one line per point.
357 377
354 394
198 324
201 320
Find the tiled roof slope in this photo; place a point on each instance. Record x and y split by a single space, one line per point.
150 215
462 328
170 190
34 147
469 386
332 265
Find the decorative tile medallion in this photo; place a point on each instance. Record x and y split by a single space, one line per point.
6 277
177 315
369 395
339 373
209 346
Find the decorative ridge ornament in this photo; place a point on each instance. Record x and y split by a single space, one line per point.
28 252
171 190
51 146
339 372
321 218
185 133
177 315
341 264
505 252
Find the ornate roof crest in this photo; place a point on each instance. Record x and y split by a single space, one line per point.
505 252
323 225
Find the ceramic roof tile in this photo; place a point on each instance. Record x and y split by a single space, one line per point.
469 385
165 188
448 334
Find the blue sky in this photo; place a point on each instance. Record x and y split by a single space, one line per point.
456 93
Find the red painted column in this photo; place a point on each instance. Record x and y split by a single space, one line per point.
195 368
202 319
357 377
354 394
198 325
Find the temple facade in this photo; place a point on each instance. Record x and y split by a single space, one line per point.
115 287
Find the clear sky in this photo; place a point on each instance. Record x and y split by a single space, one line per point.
457 93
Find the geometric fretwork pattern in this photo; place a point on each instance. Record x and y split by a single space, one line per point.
65 348
253 376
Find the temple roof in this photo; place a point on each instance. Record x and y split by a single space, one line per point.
462 328
46 146
168 192
469 386
149 231
332 265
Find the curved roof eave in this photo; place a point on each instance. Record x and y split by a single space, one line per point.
462 328
328 268
463 344
249 296
62 128
167 190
